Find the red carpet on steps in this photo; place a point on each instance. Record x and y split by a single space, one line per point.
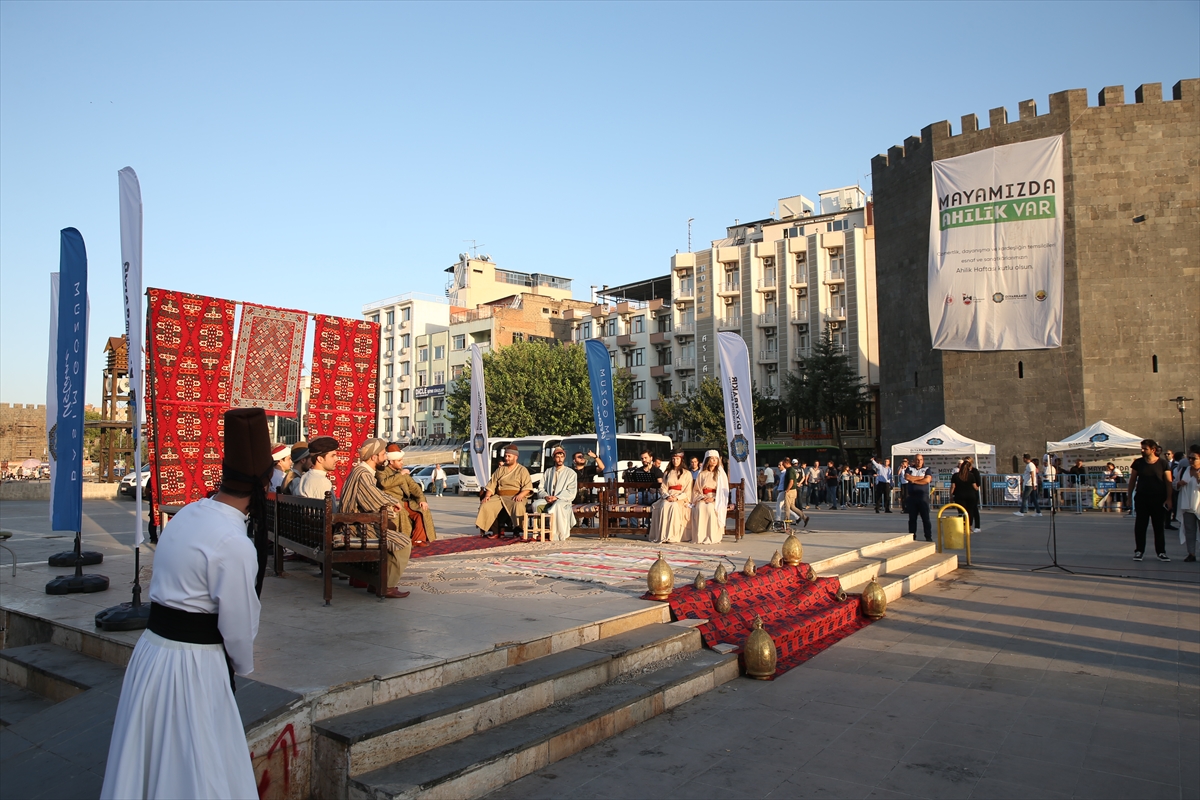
460 544
803 617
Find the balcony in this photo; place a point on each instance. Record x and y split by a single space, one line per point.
685 363
800 280
836 313
767 284
660 338
660 371
768 356
768 320
685 329
729 287
835 276
800 317
625 340
800 353
687 289
729 323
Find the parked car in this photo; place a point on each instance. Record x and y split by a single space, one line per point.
127 486
424 476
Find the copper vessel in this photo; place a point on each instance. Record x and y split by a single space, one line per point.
722 603
759 652
873 601
793 551
660 579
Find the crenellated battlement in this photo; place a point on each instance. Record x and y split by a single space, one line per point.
1066 104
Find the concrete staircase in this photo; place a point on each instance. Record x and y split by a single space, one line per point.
467 738
901 565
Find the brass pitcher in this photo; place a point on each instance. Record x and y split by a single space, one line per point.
873 601
759 652
793 551
722 603
807 573
660 579
699 582
749 569
721 575
776 560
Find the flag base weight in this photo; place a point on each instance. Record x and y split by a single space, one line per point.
125 617
70 584
67 558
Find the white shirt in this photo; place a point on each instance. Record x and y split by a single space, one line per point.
205 564
1049 472
768 475
1029 478
314 483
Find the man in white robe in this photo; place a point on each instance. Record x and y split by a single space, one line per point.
559 488
177 731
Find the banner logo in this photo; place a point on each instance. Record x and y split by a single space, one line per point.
998 297
936 442
1099 437
967 299
739 448
949 300
478 442
1041 295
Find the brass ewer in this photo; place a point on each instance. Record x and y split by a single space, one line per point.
759 652
749 569
807 573
793 551
841 595
873 601
721 575
699 583
776 560
722 603
660 579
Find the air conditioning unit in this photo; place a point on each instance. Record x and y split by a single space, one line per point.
437 413
387 354
404 325
387 406
772 367
835 326
681 306
730 301
835 289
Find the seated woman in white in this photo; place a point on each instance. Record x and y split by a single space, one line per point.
673 511
710 501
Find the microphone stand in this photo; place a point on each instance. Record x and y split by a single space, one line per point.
1053 535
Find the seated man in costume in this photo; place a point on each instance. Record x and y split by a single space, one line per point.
361 495
505 494
282 455
558 490
416 520
323 455
299 465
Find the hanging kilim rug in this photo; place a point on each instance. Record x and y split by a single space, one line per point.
802 616
611 566
266 365
341 399
187 369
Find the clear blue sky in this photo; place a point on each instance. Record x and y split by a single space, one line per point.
321 156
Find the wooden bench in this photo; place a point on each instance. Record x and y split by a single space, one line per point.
609 507
313 530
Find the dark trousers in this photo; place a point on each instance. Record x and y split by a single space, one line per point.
972 507
918 506
883 494
1152 512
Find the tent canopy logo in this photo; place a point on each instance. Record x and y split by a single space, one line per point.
1098 437
936 442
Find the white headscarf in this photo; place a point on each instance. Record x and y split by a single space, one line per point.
722 498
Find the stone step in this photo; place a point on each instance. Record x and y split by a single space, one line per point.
382 734
912 576
485 761
17 704
861 570
828 566
55 672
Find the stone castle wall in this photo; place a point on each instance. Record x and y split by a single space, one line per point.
1132 289
22 432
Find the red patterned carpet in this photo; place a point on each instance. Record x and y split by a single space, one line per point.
803 617
460 544
266 366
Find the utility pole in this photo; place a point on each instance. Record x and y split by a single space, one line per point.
690 221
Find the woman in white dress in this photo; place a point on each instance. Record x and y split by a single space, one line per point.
710 501
559 488
673 512
177 732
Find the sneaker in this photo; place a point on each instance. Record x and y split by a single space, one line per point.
976 530
1137 555
1039 513
1190 558
1163 557
1018 513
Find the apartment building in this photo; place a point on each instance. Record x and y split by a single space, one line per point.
403 320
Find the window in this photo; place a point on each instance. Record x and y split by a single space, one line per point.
456 372
639 357
771 344
664 323
423 404
612 359
422 379
439 404
422 354
439 428
664 357
405 340
610 327
406 314
639 390
439 352
391 317
387 428
439 377
404 395
422 430
387 343
639 423
387 371
405 367
518 336
460 342
374 318
402 422
838 225
639 324
387 398
585 330
837 263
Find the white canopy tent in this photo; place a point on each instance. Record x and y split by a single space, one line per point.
944 447
1097 442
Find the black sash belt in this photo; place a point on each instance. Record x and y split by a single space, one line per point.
188 626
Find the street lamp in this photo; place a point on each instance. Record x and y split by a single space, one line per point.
1181 403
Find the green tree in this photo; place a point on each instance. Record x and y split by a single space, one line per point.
826 388
702 411
93 438
535 388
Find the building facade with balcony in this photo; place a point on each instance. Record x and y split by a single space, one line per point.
403 320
